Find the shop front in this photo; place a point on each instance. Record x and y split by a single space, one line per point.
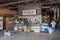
32 18
38 16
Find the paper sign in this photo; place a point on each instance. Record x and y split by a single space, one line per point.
29 12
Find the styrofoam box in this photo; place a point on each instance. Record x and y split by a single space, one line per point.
36 30
23 27
44 26
7 33
35 27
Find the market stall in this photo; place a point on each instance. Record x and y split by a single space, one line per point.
31 19
34 22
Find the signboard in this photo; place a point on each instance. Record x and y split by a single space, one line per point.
29 12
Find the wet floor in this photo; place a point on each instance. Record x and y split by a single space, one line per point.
31 36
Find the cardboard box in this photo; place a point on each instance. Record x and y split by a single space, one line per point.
27 29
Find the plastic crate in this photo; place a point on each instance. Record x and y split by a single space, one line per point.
46 30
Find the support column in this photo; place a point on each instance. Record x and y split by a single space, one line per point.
59 11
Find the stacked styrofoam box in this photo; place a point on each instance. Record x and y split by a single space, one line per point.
20 29
24 28
45 26
8 33
35 28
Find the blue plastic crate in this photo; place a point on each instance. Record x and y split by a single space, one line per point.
46 30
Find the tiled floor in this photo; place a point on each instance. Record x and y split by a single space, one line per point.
31 36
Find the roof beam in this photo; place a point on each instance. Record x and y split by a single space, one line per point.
6 4
19 2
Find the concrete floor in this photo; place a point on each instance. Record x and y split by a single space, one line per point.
31 36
